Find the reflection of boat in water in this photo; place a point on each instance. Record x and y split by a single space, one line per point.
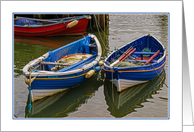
61 104
52 42
124 103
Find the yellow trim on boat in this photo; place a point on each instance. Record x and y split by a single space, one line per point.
141 70
59 78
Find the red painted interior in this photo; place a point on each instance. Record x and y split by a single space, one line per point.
144 58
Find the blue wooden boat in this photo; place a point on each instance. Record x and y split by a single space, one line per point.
44 81
147 51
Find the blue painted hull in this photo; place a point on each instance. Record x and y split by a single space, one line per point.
125 77
59 82
144 73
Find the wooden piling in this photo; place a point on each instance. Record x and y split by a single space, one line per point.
102 21
39 16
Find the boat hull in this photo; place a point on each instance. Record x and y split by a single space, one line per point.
57 29
46 86
123 84
39 94
128 77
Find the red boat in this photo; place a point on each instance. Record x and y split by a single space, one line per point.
56 27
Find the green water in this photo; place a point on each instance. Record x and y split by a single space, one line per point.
96 98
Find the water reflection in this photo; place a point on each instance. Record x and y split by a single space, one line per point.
64 103
51 42
124 103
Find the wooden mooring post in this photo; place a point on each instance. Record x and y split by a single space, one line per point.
102 20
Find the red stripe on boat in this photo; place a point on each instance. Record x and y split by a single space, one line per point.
144 58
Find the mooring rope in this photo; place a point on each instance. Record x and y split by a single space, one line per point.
99 32
30 105
112 85
100 27
112 76
158 75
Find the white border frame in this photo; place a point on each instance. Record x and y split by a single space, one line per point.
175 10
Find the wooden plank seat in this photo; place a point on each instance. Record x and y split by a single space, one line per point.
53 63
146 53
144 61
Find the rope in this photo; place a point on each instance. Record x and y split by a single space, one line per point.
29 105
99 32
158 75
93 67
100 27
64 24
112 76
112 85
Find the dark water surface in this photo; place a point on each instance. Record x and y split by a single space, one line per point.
96 98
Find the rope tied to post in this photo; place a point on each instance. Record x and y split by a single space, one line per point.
99 33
